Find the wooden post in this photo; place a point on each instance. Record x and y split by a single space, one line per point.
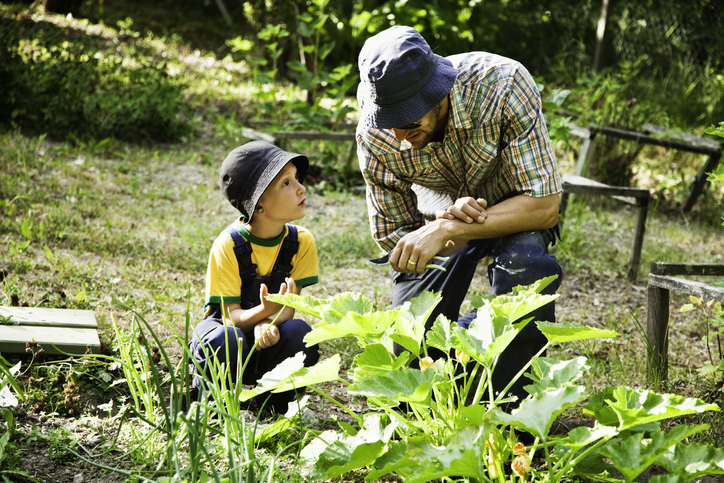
698 185
657 328
638 243
661 282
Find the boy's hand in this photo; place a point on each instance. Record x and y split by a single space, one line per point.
266 338
467 209
271 308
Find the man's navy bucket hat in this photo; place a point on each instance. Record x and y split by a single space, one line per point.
401 79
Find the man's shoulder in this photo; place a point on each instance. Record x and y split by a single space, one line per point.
476 67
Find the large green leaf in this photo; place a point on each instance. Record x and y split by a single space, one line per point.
549 373
407 342
420 307
582 436
409 327
627 408
502 332
557 333
593 466
348 452
406 385
441 335
462 456
521 301
365 326
303 303
537 413
291 374
373 361
635 454
693 460
350 302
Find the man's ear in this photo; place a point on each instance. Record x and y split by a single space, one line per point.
259 209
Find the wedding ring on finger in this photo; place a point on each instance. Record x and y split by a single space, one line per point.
410 262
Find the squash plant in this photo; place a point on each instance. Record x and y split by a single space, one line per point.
443 421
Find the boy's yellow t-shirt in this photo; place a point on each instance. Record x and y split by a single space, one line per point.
222 275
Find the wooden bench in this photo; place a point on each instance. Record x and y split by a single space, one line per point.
662 279
637 197
656 136
56 330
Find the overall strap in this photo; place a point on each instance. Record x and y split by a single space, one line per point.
290 246
242 250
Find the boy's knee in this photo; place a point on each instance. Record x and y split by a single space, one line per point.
292 332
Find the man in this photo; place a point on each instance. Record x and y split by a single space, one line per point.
458 161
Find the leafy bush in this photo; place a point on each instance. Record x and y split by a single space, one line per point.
70 90
444 422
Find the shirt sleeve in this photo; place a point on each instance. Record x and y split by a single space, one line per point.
391 203
305 265
531 160
222 274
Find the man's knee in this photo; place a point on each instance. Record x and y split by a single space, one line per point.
522 260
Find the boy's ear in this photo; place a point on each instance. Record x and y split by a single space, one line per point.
258 209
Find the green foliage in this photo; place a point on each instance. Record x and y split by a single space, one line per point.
8 381
10 459
72 90
309 72
442 421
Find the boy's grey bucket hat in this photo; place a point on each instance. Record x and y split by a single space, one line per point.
249 170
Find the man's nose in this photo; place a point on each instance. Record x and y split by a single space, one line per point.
400 134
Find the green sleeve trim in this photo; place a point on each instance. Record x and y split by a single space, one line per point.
306 282
216 300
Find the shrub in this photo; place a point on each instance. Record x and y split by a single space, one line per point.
69 90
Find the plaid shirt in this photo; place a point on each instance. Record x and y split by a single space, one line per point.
495 144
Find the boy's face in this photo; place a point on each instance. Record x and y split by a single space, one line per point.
284 199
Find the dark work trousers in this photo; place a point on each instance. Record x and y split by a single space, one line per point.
519 259
210 337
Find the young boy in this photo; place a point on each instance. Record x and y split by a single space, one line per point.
257 255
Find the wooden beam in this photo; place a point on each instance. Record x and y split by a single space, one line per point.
663 268
691 287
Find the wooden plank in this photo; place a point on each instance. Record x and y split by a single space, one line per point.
645 139
257 136
331 136
71 331
691 287
680 136
39 316
72 341
580 185
663 268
